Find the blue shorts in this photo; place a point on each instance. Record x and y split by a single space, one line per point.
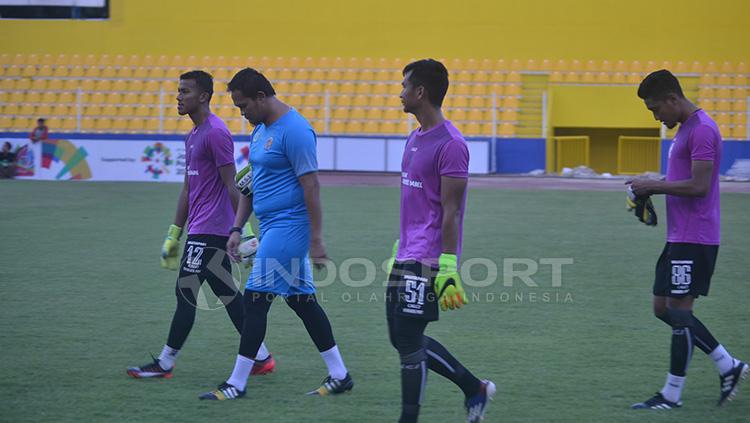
282 265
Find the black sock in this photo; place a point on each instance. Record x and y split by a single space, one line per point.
413 379
315 320
256 305
186 290
443 363
701 336
682 341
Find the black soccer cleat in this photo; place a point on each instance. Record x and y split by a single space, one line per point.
331 386
657 402
150 370
223 392
730 381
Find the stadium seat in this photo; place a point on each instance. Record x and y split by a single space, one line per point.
39 84
92 111
341 113
387 128
602 78
88 124
170 126
357 113
588 78
571 77
722 118
371 127
739 105
739 132
739 119
374 114
377 101
11 109
353 127
17 97
361 101
337 127
33 97
136 125
103 124
62 110
506 129
12 71
23 84
740 93
392 114
125 111
457 115
152 126
723 106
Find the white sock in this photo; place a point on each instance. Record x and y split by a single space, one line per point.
672 390
241 372
723 360
167 357
262 352
334 362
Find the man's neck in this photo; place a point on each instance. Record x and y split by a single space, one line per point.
277 109
429 117
200 116
688 108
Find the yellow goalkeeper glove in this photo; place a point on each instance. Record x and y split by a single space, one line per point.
170 255
450 292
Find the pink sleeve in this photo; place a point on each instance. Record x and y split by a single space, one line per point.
453 159
222 147
703 143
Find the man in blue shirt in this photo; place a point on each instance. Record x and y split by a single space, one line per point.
286 200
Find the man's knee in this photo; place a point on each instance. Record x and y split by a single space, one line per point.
680 318
412 359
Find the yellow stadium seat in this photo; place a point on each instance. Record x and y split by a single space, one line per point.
739 132
513 90
475 115
509 115
119 125
341 113
588 78
103 85
739 105
134 85
363 88
58 72
119 85
24 123
706 79
561 66
23 84
67 85
392 114
393 101
371 127
602 78
156 73
460 101
723 93
169 126
11 109
706 104
739 119
361 101
18 59
88 124
108 72
33 97
12 71
114 98
48 97
506 129
476 102
109 110
723 106
347 88
366 75
297 88
151 86
634 78
723 79
705 92
337 127
478 89
126 111
510 102
377 101
472 129
457 115
374 114
184 125
294 100
349 75
357 113
311 100
130 98
39 84
740 93
740 80
29 71
387 128
170 88
103 124
480 77
62 110
152 126
69 125
556 76
69 98
136 125
353 127
47 60
723 118
488 115
572 77
92 111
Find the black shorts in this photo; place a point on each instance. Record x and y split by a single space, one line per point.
411 291
205 259
685 269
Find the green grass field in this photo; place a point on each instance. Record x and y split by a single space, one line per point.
83 297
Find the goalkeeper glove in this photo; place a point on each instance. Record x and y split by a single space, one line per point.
389 265
170 258
243 180
248 246
643 207
450 292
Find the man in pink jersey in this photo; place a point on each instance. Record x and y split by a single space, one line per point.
684 270
208 201
434 175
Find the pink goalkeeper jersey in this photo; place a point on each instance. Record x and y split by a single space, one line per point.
441 151
689 219
208 147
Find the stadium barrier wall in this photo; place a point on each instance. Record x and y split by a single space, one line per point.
161 158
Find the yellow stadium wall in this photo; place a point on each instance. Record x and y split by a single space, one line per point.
582 29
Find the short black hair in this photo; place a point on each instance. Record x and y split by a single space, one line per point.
203 79
658 84
432 75
250 82
41 120
8 144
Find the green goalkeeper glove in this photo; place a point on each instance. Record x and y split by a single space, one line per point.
643 207
243 180
248 246
451 294
392 260
170 258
